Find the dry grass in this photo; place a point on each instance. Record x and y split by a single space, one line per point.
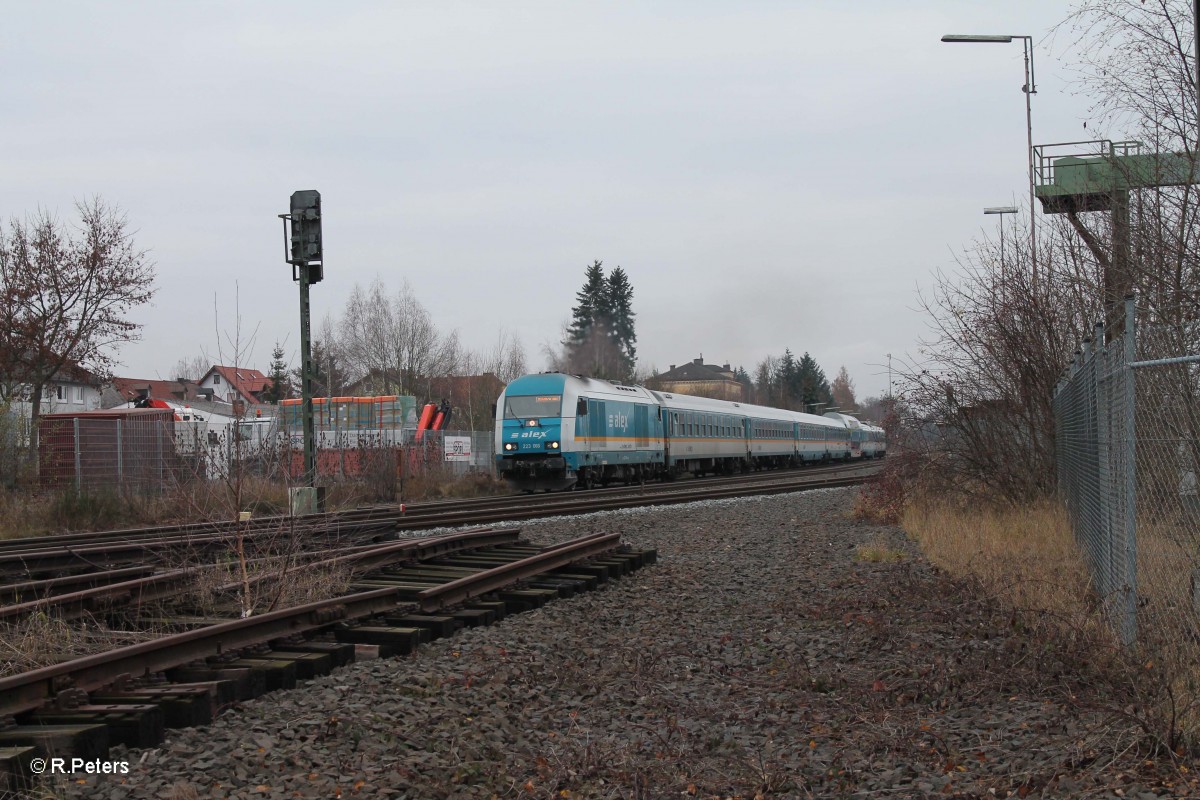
40 640
29 513
1026 557
274 584
435 484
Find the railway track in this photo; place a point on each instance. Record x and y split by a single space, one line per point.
28 559
402 592
124 568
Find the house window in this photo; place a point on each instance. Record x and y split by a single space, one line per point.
59 392
78 394
216 380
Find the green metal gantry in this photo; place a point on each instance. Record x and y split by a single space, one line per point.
1073 177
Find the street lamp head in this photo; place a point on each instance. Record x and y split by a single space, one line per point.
1001 210
952 37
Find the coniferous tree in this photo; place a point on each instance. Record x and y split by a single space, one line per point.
588 299
788 380
814 388
280 387
746 381
619 308
600 341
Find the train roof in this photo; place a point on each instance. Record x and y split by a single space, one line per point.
561 383
689 402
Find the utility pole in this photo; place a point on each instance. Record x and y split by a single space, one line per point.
305 256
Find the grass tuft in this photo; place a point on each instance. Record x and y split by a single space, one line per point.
877 552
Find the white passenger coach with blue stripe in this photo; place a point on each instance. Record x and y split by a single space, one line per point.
555 431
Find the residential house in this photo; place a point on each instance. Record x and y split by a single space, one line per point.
236 384
72 388
700 380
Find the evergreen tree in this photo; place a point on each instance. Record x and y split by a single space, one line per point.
600 341
788 380
590 299
814 388
619 311
280 387
746 381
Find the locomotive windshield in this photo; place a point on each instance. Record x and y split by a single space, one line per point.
529 406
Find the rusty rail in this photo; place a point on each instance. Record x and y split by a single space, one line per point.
30 690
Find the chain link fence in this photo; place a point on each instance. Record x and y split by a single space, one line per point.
1127 417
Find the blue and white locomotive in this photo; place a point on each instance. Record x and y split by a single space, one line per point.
555 431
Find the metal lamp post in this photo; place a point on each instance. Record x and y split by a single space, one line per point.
1001 210
1030 88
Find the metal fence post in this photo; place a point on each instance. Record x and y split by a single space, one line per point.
1101 384
120 458
78 459
158 430
1129 342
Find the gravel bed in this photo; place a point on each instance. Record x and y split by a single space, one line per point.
763 656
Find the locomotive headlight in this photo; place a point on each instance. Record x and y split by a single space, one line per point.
551 445
533 423
510 445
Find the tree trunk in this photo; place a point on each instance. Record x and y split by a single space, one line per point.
35 413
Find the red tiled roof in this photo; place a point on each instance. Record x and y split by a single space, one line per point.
249 383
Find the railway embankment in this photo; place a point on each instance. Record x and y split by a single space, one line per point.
779 648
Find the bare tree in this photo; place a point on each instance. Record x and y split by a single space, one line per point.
68 295
192 368
985 374
392 341
843 390
506 360
767 390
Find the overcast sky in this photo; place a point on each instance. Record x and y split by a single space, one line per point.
769 174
